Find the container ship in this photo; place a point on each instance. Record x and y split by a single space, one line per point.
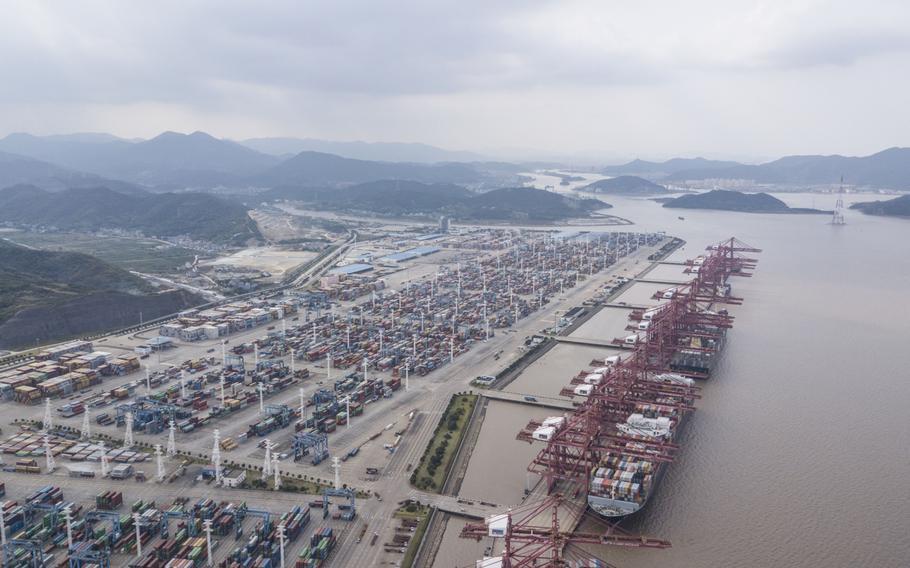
625 478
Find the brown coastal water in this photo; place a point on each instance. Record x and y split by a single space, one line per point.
799 454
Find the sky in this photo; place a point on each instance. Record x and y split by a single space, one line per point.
567 79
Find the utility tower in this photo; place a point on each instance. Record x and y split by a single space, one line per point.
171 440
838 218
216 457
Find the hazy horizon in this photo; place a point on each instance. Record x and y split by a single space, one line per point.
573 80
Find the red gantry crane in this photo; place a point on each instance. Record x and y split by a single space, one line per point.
681 336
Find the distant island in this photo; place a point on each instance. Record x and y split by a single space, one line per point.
725 200
564 179
897 207
624 185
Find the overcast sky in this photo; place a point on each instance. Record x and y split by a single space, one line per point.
596 78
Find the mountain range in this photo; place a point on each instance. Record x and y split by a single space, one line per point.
173 161
373 151
663 169
886 169
48 296
201 216
315 169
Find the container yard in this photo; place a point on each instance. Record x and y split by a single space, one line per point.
44 528
288 391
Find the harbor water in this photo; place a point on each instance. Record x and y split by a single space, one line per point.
798 454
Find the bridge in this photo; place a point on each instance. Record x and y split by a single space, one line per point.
591 342
461 506
532 400
662 282
625 306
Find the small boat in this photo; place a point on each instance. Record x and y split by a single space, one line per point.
681 218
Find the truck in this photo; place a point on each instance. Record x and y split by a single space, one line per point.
71 409
122 471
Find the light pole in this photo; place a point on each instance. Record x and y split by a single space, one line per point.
207 524
160 459
302 405
68 515
2 524
136 518
280 541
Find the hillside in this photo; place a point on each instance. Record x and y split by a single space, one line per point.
16 169
887 169
90 153
315 169
624 185
524 203
666 168
724 200
198 215
385 197
401 197
54 295
897 207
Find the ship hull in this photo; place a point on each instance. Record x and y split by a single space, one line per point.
617 508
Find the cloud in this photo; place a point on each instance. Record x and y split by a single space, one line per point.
401 68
